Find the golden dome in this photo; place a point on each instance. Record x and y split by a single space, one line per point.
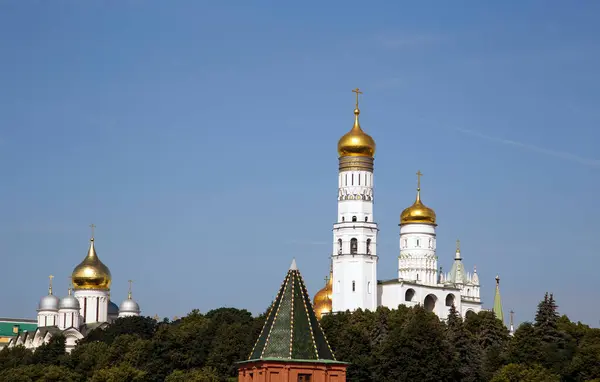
418 213
91 273
356 142
322 302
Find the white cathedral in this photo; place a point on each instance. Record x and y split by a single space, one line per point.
86 307
353 282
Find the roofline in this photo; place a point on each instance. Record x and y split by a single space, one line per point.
17 320
290 360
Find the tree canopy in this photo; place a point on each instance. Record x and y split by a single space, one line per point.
404 344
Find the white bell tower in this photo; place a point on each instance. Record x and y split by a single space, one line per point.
418 261
355 233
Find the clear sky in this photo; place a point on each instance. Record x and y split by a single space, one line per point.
200 138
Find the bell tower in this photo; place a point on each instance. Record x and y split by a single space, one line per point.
355 232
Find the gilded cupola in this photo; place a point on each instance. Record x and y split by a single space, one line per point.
418 213
91 273
356 142
322 301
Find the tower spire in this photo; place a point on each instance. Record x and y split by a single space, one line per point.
129 293
511 330
419 175
356 110
50 285
93 227
498 302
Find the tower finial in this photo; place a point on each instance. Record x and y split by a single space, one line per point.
357 91
50 285
419 175
70 284
457 245
129 293
497 281
92 226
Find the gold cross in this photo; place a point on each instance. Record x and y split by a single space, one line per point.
92 226
357 91
457 245
419 175
50 288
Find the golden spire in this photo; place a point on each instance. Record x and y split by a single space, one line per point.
418 213
50 284
129 293
356 142
92 226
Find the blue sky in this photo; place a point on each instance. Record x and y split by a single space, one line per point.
200 138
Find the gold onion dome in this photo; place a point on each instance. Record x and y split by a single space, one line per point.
418 213
356 142
322 301
91 273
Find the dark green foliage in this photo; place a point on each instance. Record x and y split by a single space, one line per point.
51 353
466 352
404 344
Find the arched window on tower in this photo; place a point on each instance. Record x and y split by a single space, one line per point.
368 246
339 246
353 218
353 246
353 286
366 218
418 243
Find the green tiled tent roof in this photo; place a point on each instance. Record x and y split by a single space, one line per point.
291 330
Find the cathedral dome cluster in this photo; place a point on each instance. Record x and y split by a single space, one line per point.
91 273
87 306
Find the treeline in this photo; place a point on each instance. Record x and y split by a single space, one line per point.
407 344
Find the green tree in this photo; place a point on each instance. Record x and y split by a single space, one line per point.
143 327
556 347
206 374
523 373
51 353
119 373
524 348
418 351
86 358
466 353
16 356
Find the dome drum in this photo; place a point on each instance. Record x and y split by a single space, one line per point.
355 163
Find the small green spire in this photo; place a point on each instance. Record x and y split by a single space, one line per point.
498 302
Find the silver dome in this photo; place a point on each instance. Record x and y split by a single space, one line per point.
113 309
68 302
129 306
49 302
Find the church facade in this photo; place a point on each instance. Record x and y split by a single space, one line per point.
353 282
86 307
